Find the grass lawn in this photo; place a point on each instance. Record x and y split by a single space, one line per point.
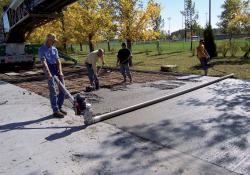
146 57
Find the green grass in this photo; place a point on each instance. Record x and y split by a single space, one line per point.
146 57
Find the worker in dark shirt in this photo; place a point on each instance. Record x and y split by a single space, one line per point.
123 57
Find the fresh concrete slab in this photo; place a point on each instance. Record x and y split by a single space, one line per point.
32 142
211 124
106 100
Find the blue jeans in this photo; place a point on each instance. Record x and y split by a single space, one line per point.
204 63
91 75
56 101
124 68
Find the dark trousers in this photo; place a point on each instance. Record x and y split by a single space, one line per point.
56 101
92 77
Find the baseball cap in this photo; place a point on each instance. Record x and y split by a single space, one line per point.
51 36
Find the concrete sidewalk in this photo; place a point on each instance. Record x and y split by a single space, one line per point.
33 142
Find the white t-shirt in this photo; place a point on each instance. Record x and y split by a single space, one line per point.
92 58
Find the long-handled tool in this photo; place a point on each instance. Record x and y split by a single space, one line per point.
95 85
80 106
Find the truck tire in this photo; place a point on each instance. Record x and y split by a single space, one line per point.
27 65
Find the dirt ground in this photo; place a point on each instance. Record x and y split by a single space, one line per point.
76 78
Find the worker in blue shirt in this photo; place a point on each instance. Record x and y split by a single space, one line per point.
48 55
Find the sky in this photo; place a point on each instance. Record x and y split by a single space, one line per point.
172 8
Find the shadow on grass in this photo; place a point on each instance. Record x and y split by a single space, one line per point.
229 61
169 53
142 52
199 67
139 63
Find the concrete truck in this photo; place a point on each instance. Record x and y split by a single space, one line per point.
18 53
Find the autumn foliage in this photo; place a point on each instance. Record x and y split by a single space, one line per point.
90 21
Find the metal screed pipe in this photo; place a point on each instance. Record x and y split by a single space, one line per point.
109 115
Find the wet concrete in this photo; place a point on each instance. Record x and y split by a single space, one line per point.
33 142
211 124
107 100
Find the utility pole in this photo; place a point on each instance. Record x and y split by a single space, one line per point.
169 33
169 20
209 12
185 22
182 30
206 19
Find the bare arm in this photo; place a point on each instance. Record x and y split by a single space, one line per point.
206 53
118 60
94 68
46 69
102 59
59 66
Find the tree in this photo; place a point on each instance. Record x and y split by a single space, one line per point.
235 17
191 16
96 16
209 41
109 34
63 27
156 19
39 34
64 39
75 31
3 6
136 23
85 20
3 3
197 29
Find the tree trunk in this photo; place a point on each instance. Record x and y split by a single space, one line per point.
91 44
191 46
64 40
108 46
247 53
129 45
230 39
185 34
81 47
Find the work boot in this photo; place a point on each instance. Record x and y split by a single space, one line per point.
58 114
97 86
63 111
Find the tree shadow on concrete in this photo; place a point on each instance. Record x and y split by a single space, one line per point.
134 151
137 154
238 91
224 133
